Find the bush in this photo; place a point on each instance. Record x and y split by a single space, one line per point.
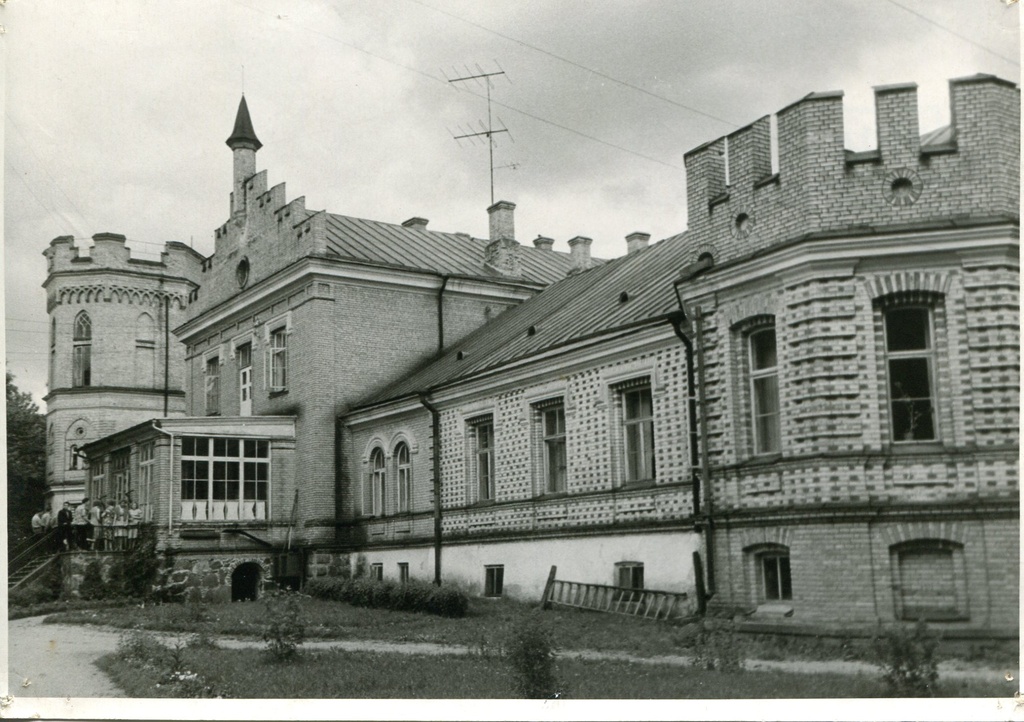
92 586
529 652
284 630
715 646
907 657
134 573
142 648
408 597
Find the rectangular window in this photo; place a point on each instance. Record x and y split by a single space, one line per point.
121 474
764 391
553 423
629 575
403 572
909 355
775 577
244 356
82 362
483 435
278 360
212 378
377 572
147 464
638 429
494 580
224 479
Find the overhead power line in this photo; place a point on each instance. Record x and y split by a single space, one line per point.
573 63
443 81
952 32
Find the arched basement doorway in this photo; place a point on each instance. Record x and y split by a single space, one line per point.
245 582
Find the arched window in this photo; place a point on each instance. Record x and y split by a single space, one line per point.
764 390
770 573
82 351
403 465
145 351
378 477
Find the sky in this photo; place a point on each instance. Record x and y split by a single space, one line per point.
116 112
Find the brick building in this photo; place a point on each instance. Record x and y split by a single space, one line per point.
813 390
113 358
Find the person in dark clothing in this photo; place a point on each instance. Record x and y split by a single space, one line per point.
64 516
80 522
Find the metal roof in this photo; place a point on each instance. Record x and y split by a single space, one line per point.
629 290
450 253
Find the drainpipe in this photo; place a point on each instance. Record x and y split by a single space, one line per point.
440 314
435 432
170 478
677 320
167 351
696 439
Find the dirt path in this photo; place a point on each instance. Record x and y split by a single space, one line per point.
56 660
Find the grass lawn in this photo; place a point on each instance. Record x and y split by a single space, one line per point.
483 624
336 674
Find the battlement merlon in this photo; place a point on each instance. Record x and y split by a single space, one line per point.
984 123
110 252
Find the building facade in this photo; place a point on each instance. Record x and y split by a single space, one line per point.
801 411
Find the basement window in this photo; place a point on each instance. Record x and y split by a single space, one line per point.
377 572
494 580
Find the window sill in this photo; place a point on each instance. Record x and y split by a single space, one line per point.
551 495
771 610
637 485
910 448
483 503
276 394
756 459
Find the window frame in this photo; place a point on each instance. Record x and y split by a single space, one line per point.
403 572
246 464
211 385
635 570
483 486
403 476
81 353
494 580
277 357
755 377
778 559
548 441
928 354
959 611
377 571
245 384
645 425
378 477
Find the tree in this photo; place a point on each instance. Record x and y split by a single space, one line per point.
26 462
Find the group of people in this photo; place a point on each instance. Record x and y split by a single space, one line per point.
99 526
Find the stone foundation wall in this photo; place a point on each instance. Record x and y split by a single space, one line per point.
211 574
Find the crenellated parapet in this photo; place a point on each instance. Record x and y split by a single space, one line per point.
738 206
109 252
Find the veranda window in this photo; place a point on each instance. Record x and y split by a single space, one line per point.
224 479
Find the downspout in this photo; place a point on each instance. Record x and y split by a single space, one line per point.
440 314
167 351
697 380
435 432
170 477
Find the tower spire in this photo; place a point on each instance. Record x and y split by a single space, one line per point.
243 136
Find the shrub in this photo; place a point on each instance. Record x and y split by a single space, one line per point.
134 573
409 597
907 658
715 646
92 586
284 630
142 648
530 654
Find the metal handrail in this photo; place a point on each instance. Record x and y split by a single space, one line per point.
31 552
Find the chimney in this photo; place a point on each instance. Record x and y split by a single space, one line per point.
544 244
579 249
502 252
416 222
636 241
502 224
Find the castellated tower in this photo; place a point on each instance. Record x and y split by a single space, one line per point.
114 361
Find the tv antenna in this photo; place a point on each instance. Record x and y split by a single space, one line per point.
488 131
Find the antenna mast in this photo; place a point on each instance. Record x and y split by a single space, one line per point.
488 131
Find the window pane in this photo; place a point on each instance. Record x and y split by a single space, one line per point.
771 577
762 350
786 583
908 378
907 329
556 465
232 447
188 445
244 354
912 420
202 446
220 447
